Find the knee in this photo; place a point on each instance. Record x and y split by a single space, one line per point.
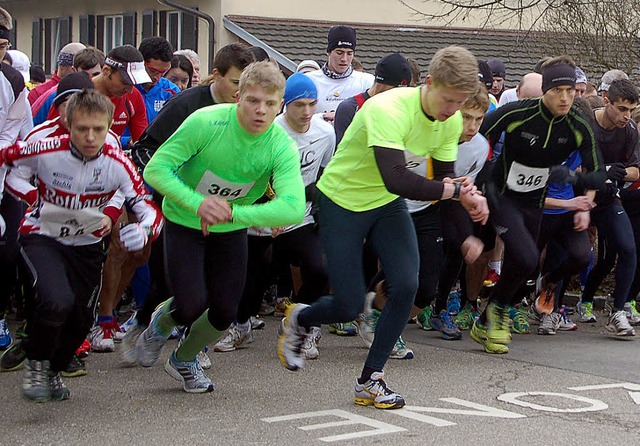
54 311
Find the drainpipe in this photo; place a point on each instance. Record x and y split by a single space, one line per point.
202 15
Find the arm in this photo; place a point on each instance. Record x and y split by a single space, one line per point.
344 115
138 122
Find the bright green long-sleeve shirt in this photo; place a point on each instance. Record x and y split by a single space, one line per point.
210 154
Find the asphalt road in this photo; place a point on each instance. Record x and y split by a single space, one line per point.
575 388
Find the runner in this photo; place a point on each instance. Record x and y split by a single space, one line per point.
361 197
210 181
77 177
539 133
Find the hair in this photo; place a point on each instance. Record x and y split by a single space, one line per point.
558 60
126 54
189 54
37 74
7 58
259 54
156 48
232 55
538 66
595 101
455 67
591 88
356 64
5 19
584 107
88 58
89 101
183 62
479 100
262 74
622 90
416 76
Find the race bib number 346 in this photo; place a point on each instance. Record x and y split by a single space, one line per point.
523 178
212 184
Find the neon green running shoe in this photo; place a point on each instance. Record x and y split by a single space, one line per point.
498 324
519 323
422 319
479 334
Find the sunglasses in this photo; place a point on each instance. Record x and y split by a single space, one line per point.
155 70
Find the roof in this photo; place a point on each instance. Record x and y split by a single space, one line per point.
296 40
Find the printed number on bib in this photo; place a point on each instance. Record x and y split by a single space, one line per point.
523 178
59 222
212 184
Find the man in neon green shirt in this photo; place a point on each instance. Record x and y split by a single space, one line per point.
211 171
362 192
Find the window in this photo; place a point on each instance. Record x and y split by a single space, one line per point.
113 26
180 29
48 37
115 30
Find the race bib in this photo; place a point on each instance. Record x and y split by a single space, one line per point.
212 184
59 222
523 178
416 164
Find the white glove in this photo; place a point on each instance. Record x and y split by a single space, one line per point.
3 226
134 237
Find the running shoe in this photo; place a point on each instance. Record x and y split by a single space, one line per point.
266 309
375 392
549 324
492 278
150 342
444 324
633 315
453 303
585 310
21 331
369 321
76 367
236 337
5 335
128 354
13 358
619 324
310 347
257 323
498 324
565 323
464 319
35 382
203 358
344 328
59 390
129 323
190 374
281 304
518 318
102 337
84 349
423 318
291 338
479 334
400 350
546 301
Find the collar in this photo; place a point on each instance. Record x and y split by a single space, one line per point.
547 115
76 153
333 75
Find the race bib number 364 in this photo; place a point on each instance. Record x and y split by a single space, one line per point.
212 184
523 178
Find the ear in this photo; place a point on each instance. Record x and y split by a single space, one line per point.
428 80
215 73
606 101
237 96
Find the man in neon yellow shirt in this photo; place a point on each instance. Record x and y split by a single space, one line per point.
211 171
362 192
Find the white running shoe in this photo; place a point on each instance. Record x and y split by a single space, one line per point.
619 324
236 337
375 392
291 338
102 338
310 347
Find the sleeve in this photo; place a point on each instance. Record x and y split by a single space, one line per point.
114 207
496 122
138 122
162 170
385 127
18 180
595 176
632 149
16 111
289 205
343 117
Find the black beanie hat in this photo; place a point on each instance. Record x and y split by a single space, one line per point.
393 69
484 74
341 37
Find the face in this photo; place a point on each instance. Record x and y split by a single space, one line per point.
114 84
471 122
156 68
441 102
581 89
257 108
4 46
559 99
619 112
225 87
340 60
178 77
195 79
89 132
93 71
497 86
300 112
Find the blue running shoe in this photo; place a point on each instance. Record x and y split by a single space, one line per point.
5 335
453 303
445 325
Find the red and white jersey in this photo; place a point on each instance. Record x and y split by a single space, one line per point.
54 127
72 193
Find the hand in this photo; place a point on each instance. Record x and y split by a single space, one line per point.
212 211
471 249
581 221
105 228
581 203
616 171
466 181
134 237
476 206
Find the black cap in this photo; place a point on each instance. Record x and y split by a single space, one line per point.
484 74
341 37
497 68
72 83
393 69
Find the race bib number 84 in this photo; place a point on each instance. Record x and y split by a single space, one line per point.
212 184
523 178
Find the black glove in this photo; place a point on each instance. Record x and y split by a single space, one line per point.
561 175
616 171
